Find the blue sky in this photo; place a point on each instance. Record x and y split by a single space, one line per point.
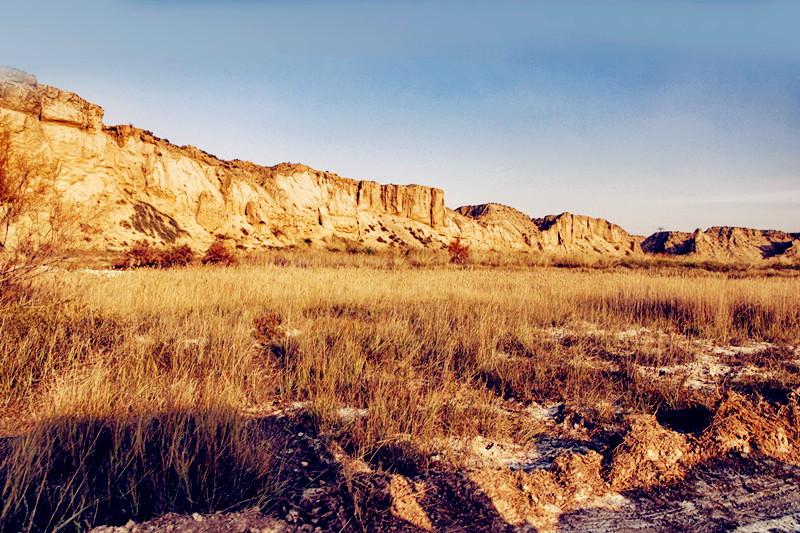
650 114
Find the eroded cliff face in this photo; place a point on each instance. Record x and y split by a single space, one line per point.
725 243
566 231
130 185
146 187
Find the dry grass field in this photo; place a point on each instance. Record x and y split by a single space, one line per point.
368 392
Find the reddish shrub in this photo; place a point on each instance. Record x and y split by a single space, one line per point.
140 254
176 256
459 252
143 254
218 254
266 327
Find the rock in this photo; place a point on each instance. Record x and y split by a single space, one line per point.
725 243
133 185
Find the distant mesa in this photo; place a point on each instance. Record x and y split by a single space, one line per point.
149 188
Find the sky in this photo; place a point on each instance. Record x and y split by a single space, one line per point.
651 114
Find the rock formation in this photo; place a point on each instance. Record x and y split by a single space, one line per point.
134 185
725 243
565 231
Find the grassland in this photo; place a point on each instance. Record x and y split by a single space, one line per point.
126 396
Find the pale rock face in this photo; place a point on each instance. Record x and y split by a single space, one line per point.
566 231
725 243
145 187
135 186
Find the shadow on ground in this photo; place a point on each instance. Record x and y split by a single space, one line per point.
73 474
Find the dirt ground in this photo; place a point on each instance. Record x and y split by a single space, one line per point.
734 468
733 495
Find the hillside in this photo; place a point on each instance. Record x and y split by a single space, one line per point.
137 186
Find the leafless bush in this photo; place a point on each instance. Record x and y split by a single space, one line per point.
459 252
35 223
143 254
218 254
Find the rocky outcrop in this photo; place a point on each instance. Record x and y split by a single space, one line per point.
146 187
131 185
566 231
725 243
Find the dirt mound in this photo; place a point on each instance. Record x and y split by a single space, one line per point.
649 455
744 426
251 521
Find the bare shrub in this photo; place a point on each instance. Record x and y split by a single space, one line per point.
176 256
144 255
140 254
459 252
266 327
218 254
35 224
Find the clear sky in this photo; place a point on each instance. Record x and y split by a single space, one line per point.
651 114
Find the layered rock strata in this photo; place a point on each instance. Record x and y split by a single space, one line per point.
725 243
132 185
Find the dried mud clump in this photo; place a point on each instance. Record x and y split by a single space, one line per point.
649 455
743 426
579 475
540 496
405 506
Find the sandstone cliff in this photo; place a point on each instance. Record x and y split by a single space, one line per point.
146 187
132 185
725 243
564 232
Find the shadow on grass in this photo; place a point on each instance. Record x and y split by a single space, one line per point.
71 474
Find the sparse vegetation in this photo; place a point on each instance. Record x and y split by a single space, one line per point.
218 254
36 222
153 391
143 254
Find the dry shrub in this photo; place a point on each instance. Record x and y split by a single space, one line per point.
459 252
267 327
218 254
140 254
176 256
37 222
144 255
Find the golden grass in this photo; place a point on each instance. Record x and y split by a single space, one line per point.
140 384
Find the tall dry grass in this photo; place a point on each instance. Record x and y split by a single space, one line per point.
130 395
